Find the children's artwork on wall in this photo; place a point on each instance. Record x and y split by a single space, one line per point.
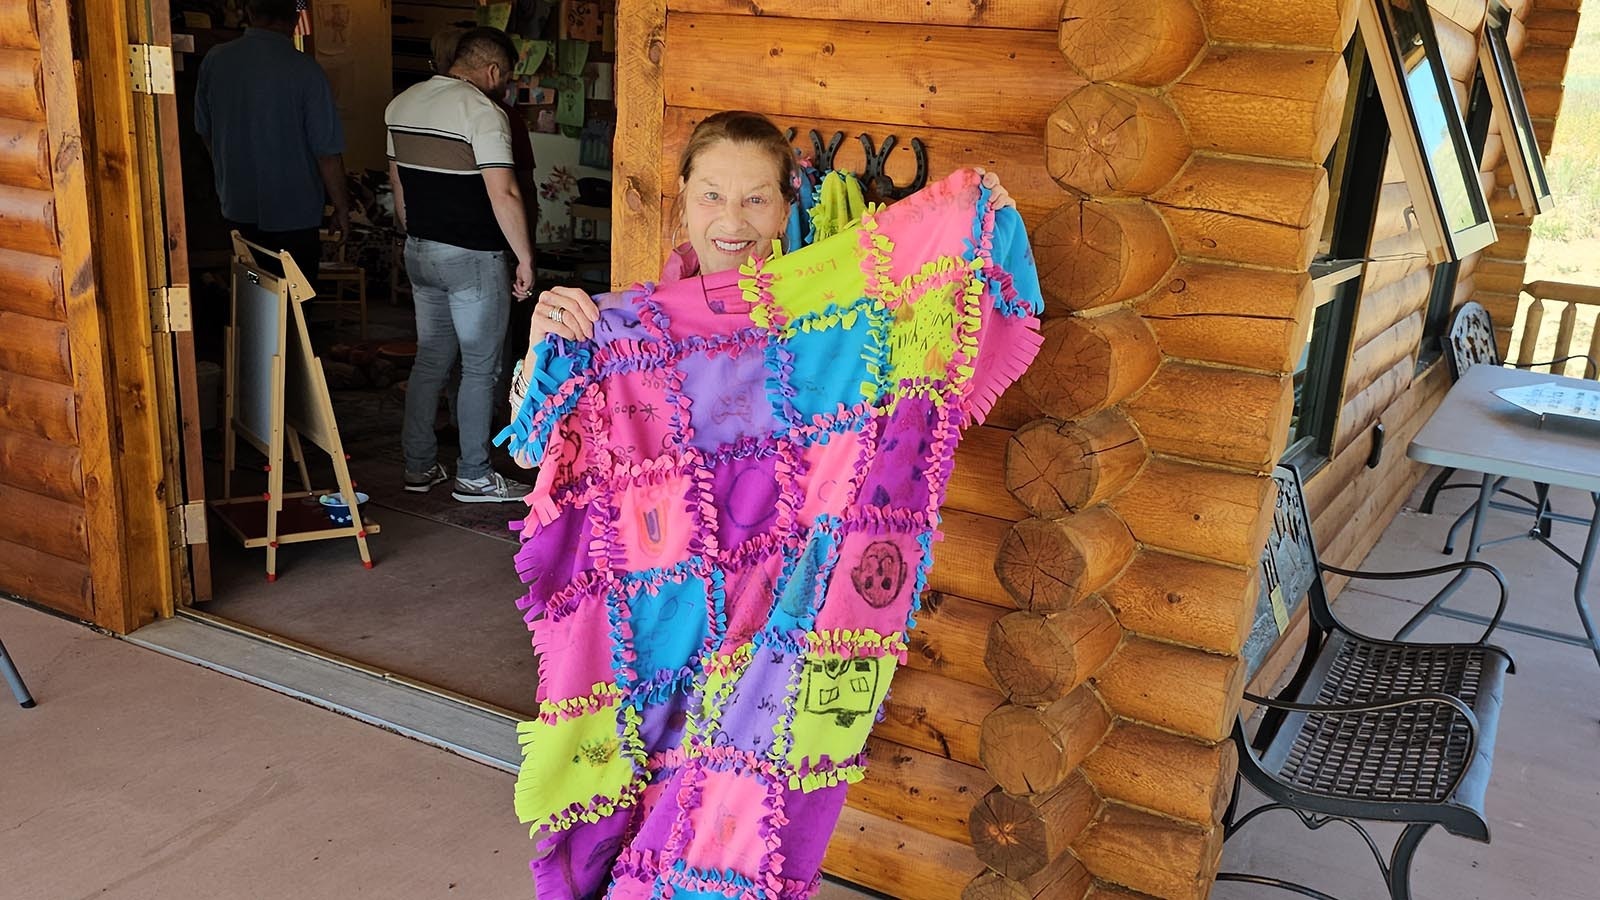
495 15
582 20
530 55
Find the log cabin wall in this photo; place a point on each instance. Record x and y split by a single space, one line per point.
60 514
1077 665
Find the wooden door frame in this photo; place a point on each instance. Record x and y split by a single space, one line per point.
141 581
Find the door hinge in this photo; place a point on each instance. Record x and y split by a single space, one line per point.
169 309
187 523
150 65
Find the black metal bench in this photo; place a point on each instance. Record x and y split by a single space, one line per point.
1367 729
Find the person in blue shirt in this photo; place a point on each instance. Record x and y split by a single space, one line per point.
267 116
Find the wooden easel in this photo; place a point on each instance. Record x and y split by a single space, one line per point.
277 394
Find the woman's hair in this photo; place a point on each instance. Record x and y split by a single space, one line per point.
748 128
443 48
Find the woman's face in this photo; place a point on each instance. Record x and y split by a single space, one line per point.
733 205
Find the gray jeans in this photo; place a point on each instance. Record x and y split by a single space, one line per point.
463 298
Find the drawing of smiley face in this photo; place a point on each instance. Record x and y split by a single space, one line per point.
880 574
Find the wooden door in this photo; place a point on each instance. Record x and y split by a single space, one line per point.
155 120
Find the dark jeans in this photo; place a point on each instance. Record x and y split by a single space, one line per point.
304 245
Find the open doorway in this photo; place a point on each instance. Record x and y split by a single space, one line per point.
438 605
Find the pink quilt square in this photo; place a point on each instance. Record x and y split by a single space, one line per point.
728 823
654 525
640 417
574 651
871 585
925 230
826 470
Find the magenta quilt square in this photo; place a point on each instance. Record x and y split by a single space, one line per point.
896 475
748 597
871 585
812 817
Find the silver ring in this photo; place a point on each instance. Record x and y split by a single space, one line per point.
555 315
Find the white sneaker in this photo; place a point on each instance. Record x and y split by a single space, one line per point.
495 488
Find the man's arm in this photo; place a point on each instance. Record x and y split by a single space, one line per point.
332 168
506 198
399 195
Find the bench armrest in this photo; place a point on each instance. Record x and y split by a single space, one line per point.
1588 363
1462 566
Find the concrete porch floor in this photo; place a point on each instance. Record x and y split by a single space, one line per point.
140 776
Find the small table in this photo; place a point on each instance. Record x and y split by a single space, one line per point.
1476 431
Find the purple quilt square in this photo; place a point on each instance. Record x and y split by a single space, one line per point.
580 863
760 701
812 817
746 495
658 813
896 475
729 398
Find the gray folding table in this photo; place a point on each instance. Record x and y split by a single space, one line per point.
1476 431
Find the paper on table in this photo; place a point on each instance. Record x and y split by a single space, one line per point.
1553 399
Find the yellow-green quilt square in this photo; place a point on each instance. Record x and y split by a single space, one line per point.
588 760
838 701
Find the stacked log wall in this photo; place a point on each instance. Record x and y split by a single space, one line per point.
58 503
937 72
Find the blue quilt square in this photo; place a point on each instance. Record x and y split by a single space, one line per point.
829 367
670 625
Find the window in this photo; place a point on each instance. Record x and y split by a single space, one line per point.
1355 179
1428 132
1510 110
1441 299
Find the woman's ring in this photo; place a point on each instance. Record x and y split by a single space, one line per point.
555 315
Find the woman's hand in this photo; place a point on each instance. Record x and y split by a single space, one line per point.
999 197
563 311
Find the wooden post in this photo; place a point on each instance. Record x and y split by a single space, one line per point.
1054 467
1038 659
1053 564
1105 140
636 186
1163 857
1089 364
1143 42
1031 750
1019 836
1093 253
1064 879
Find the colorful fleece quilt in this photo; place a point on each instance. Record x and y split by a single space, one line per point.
738 494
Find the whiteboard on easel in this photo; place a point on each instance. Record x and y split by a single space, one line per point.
259 319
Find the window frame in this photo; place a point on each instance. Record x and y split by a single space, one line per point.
1356 165
1377 21
1510 112
1447 275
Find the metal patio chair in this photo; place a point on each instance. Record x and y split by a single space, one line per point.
8 668
1367 729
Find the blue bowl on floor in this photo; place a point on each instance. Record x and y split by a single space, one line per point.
338 511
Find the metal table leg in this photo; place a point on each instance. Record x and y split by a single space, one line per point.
1581 585
14 679
1485 494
